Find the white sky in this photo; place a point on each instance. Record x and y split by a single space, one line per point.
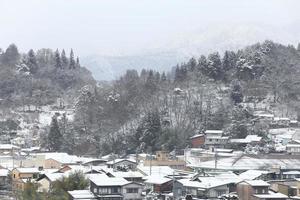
114 27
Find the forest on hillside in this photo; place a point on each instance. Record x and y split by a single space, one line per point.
39 78
149 110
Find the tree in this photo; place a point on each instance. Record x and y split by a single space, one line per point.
58 63
30 192
72 64
32 62
149 131
236 92
77 62
55 138
64 59
11 55
214 66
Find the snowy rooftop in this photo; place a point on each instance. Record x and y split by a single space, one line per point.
103 180
82 194
28 170
64 157
158 180
252 174
4 172
156 170
195 136
120 160
271 196
247 162
129 174
213 132
257 183
8 147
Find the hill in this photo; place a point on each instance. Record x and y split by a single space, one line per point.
39 78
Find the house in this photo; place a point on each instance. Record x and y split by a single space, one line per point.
81 195
122 164
22 175
281 121
3 178
45 181
287 187
215 138
53 160
241 163
293 147
255 174
257 190
8 149
203 188
133 176
249 139
162 158
107 188
158 186
198 140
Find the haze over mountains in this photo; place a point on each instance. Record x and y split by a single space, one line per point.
178 49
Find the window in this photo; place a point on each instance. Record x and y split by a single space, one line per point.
95 190
132 190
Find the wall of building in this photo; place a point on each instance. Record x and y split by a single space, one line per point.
198 142
135 196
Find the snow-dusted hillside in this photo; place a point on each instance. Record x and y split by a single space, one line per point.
179 48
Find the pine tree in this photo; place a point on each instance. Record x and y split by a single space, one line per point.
298 47
192 64
163 77
55 137
236 92
32 62
214 67
57 59
72 63
11 55
77 62
64 59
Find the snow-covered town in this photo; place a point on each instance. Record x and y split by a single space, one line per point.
214 166
149 100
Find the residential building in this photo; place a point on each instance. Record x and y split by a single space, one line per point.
122 164
257 190
163 158
22 175
203 188
158 186
8 149
108 188
198 140
81 195
215 138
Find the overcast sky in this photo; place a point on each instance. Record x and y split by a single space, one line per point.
114 27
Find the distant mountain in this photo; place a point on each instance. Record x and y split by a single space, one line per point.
201 41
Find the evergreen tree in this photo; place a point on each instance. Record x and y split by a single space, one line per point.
58 63
151 85
64 59
236 93
192 64
202 64
214 67
163 77
32 62
77 62
11 55
55 138
298 47
72 63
